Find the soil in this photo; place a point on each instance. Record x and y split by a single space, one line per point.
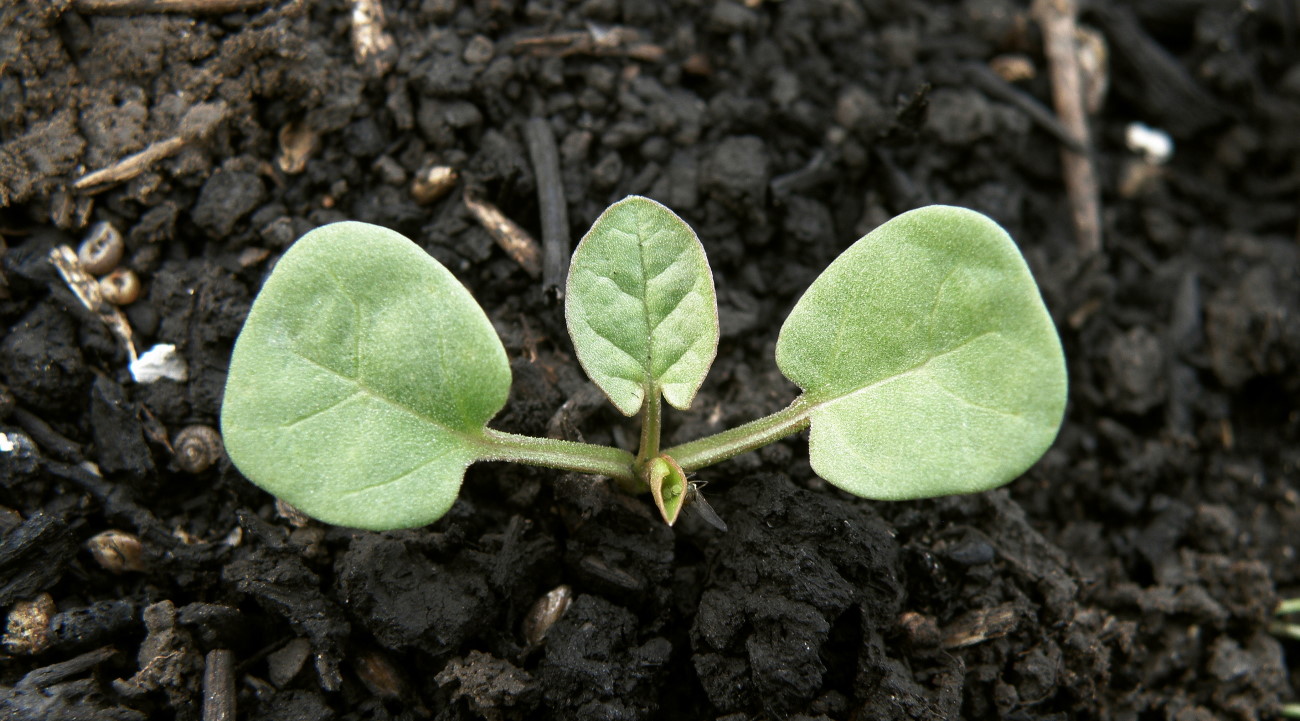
1131 574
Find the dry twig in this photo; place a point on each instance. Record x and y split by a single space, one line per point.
1057 19
58 672
219 686
513 239
596 40
198 122
984 78
131 7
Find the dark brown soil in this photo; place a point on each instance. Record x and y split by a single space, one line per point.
1130 575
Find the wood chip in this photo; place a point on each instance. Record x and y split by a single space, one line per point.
980 625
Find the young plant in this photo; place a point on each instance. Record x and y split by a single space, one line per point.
1284 629
362 384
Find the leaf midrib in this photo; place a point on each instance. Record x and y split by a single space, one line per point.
815 403
650 385
368 389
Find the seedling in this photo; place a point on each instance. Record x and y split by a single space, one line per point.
1288 607
362 384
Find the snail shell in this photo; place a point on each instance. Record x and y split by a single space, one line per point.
196 448
117 551
545 612
121 287
102 249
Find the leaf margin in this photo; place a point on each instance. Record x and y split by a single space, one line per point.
627 394
827 457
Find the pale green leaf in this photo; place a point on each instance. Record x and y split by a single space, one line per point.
640 305
667 485
362 380
927 358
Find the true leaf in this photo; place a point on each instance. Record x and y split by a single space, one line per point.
927 358
667 486
362 380
640 305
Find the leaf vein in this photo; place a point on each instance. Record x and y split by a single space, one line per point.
966 401
616 347
676 304
908 371
400 476
326 409
356 317
681 256
372 392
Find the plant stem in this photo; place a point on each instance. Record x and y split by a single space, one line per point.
1285 630
1291 710
651 425
615 463
1290 605
755 434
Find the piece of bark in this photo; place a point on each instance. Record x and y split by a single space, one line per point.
219 686
63 670
33 557
554 207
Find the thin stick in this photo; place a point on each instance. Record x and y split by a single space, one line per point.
606 42
554 208
1057 18
131 165
514 240
118 506
198 122
54 673
1285 630
985 79
219 686
50 441
123 7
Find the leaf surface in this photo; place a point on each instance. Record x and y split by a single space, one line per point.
668 486
361 381
927 358
640 305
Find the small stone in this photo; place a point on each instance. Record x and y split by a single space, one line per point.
285 663
478 50
27 631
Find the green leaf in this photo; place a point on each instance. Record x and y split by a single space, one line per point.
927 358
362 381
640 305
667 485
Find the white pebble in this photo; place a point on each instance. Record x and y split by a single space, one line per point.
160 361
